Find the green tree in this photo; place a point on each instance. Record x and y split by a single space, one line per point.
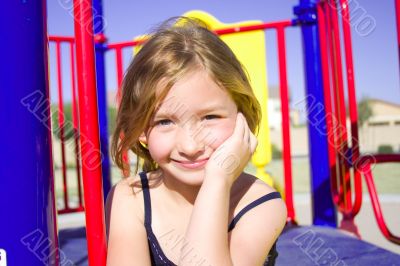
385 148
68 126
364 111
276 152
111 117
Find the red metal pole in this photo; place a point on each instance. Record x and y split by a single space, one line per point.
124 44
327 98
340 110
261 26
56 38
120 72
336 130
120 76
75 122
90 144
365 168
369 180
287 160
355 154
61 123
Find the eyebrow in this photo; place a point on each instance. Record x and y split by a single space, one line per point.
211 107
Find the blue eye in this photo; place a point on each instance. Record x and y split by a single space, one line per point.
211 117
163 122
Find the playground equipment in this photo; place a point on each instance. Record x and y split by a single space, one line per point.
344 155
29 233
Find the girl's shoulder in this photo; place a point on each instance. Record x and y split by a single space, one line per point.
129 187
128 192
247 189
126 234
257 200
258 222
126 197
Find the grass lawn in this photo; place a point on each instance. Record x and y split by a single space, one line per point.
386 176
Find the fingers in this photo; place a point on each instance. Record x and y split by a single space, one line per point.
248 137
230 158
253 143
246 133
239 130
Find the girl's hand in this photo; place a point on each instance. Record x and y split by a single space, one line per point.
230 158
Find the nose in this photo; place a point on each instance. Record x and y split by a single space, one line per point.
188 144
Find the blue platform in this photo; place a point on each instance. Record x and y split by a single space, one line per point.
304 245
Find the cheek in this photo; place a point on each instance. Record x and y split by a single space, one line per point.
221 132
159 146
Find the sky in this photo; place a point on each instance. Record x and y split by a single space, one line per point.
375 53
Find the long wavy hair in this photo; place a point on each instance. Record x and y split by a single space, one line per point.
177 47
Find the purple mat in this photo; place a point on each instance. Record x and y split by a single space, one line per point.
303 245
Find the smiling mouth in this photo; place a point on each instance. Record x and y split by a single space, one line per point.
191 164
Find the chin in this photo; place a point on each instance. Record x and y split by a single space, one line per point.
187 177
194 179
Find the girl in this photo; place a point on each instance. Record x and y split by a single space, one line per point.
189 113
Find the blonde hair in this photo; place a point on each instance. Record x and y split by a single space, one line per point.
169 54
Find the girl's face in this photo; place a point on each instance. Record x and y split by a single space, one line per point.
194 119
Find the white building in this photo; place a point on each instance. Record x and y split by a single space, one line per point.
383 113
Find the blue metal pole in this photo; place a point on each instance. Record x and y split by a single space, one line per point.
324 212
28 231
98 27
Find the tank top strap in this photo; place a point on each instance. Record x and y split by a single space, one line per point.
146 197
267 197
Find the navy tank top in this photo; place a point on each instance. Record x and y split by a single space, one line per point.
157 255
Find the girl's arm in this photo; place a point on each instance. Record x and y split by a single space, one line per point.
127 239
207 236
206 239
258 229
250 241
